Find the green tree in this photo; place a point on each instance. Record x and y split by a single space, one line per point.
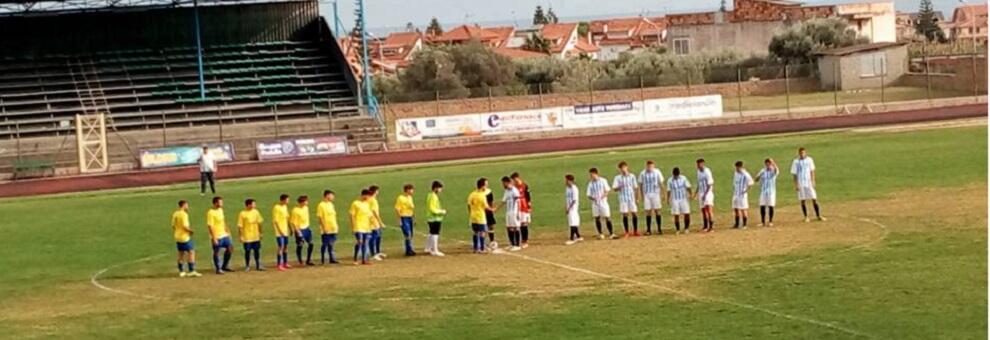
926 24
800 43
432 69
540 70
540 18
479 68
434 29
536 43
551 16
583 28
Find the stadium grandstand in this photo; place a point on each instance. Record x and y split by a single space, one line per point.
180 66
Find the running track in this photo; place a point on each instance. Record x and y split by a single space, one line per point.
251 169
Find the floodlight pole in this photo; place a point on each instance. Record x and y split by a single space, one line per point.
199 52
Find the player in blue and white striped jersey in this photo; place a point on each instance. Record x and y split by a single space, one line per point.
597 192
803 170
767 177
571 203
678 196
510 200
706 195
651 190
741 181
625 185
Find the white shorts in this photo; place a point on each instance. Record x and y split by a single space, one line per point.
573 218
524 218
628 206
740 201
679 207
512 220
807 193
652 201
600 209
708 199
768 200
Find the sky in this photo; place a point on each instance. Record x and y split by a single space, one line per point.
390 15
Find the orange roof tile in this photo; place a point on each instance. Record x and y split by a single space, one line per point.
465 33
517 53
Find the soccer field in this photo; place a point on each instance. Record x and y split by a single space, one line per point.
903 255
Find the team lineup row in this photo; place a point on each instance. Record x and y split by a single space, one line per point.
649 188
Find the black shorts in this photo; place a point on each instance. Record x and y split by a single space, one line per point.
434 227
490 218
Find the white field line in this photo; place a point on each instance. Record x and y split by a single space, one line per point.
95 278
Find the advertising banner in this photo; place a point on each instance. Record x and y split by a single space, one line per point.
184 155
670 109
521 121
413 129
606 114
302 147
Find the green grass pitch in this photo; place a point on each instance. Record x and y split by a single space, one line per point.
903 255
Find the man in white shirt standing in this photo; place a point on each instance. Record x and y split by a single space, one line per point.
651 188
706 195
803 170
741 182
625 185
207 169
597 192
571 202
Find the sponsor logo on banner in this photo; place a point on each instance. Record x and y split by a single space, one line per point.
670 109
521 121
606 114
438 127
184 155
302 147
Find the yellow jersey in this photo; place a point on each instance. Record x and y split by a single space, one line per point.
477 205
217 223
180 226
299 219
249 225
361 214
376 212
404 205
327 214
280 219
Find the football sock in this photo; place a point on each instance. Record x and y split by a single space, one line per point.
309 253
574 233
804 209
687 222
474 242
323 250
409 246
763 214
216 260
257 258
625 223
247 258
608 224
330 253
491 237
737 222
180 267
677 224
817 212
635 224
481 242
598 225
745 220
299 252
771 214
192 266
659 231
285 256
226 258
357 249
649 223
524 230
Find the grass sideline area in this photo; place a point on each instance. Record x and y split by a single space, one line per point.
902 256
826 98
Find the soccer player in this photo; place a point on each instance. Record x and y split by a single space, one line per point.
404 208
183 240
280 222
706 195
299 222
219 236
571 198
597 192
741 182
490 221
525 207
510 200
434 218
768 190
678 195
625 184
477 206
803 170
207 170
362 218
249 228
377 226
326 213
651 190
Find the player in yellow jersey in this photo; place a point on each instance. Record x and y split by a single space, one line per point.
299 221
434 219
280 221
405 209
477 206
249 228
219 236
377 226
327 214
361 224
183 240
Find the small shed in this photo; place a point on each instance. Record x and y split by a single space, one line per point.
862 66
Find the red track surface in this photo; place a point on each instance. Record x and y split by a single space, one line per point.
251 169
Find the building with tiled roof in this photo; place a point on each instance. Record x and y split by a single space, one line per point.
617 35
465 33
969 22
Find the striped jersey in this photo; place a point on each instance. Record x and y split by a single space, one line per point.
802 168
741 182
705 180
571 198
598 189
768 181
650 181
511 199
626 186
678 187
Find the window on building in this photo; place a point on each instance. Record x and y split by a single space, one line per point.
873 64
682 46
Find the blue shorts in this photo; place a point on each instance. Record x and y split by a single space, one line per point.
328 238
307 236
256 246
281 241
184 246
223 242
406 223
375 233
362 236
479 227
